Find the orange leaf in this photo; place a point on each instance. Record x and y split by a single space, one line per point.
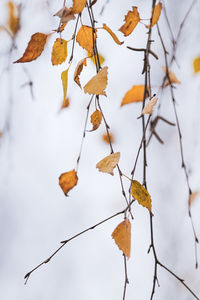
85 38
14 18
59 52
108 163
78 70
65 14
140 194
135 94
96 118
156 14
67 181
172 77
65 103
148 109
78 6
115 38
101 58
192 197
131 21
196 65
97 84
122 237
35 48
106 139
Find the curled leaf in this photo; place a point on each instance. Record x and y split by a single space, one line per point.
78 70
140 194
85 37
35 48
65 14
131 21
156 14
148 109
172 77
78 6
135 94
59 52
108 163
122 237
67 181
96 118
97 84
113 35
196 65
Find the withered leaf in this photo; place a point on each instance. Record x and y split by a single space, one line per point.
85 37
113 35
78 6
78 70
172 77
96 118
148 109
65 14
14 17
97 84
156 14
35 48
196 65
108 163
122 237
135 94
140 194
106 139
59 52
67 181
131 21
192 197
65 103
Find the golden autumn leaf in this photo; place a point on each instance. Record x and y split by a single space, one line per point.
67 181
192 197
108 163
65 14
14 18
140 194
122 237
172 77
135 94
65 104
59 52
97 84
196 65
156 14
101 58
85 38
64 78
105 138
113 35
131 21
148 109
35 48
96 118
78 70
78 6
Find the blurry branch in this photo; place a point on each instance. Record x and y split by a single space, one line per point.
103 7
144 50
74 38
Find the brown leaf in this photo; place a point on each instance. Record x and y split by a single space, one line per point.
65 104
59 52
115 38
108 163
172 77
14 18
106 139
67 181
148 109
131 21
78 70
85 38
97 84
96 118
192 197
78 6
135 94
122 237
156 14
140 194
65 14
35 48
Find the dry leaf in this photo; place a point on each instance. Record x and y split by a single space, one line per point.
101 58
65 14
140 194
115 38
14 18
67 181
122 237
135 94
85 38
148 109
78 70
97 84
64 78
35 48
131 21
65 104
96 118
196 65
105 138
78 6
156 14
59 52
192 197
108 163
172 77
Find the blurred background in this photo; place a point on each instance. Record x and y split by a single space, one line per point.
39 141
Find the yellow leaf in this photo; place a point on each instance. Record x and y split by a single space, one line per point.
67 181
192 197
122 237
108 163
96 118
65 103
78 6
14 18
97 84
156 14
59 52
35 48
65 14
172 77
148 109
101 59
106 139
78 70
196 64
140 194
135 94
64 78
131 21
85 38
115 38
